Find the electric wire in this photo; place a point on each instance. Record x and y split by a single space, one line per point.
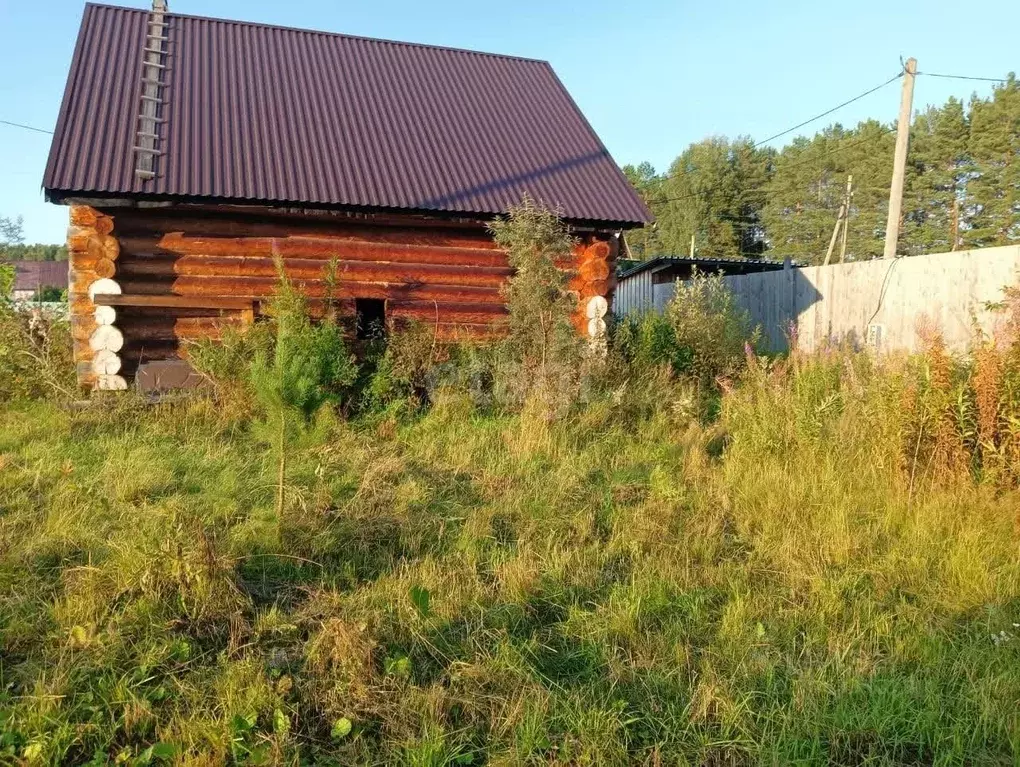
26 127
828 112
964 77
834 150
825 114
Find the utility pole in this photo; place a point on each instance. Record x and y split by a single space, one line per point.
835 233
842 220
892 225
692 246
846 216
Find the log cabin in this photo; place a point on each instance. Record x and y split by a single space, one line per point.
195 152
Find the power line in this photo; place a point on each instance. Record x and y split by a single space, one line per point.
841 148
966 77
796 127
26 127
828 112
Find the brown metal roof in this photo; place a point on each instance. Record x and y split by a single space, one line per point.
275 115
32 275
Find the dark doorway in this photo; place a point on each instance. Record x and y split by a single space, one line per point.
370 314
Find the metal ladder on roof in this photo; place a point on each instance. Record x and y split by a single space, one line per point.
147 147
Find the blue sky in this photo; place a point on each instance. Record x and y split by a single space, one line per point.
650 76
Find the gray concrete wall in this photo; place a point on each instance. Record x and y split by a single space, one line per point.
879 303
882 303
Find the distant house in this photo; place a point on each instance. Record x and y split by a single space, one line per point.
31 277
649 285
194 151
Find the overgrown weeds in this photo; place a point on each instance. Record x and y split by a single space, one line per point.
35 348
702 334
821 568
608 587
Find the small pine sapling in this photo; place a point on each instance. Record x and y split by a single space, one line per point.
308 366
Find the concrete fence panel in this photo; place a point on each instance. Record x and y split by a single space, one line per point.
880 303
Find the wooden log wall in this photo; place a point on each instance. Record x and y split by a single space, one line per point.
594 275
93 253
442 274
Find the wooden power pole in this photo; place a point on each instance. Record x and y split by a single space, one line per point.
846 216
892 225
842 220
835 233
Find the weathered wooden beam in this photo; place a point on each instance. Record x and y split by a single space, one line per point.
178 302
429 312
261 288
174 227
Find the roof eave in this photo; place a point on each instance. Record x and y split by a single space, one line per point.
122 199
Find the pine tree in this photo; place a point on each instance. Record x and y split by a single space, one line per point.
308 366
714 193
993 191
809 186
936 176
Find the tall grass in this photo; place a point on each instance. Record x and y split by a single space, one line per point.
826 574
698 558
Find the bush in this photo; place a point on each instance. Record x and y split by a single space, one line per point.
36 359
714 330
542 354
647 340
225 361
702 335
402 367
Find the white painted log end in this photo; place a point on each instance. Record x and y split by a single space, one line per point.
596 308
106 337
106 363
104 286
105 315
111 383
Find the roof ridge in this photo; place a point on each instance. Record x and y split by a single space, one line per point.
304 30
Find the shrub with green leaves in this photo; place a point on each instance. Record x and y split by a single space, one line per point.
707 321
647 340
702 334
402 366
542 354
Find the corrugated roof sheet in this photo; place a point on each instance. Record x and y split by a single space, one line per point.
270 114
32 275
707 263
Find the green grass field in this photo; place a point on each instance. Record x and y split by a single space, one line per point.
799 581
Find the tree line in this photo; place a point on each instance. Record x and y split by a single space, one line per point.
736 199
12 247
